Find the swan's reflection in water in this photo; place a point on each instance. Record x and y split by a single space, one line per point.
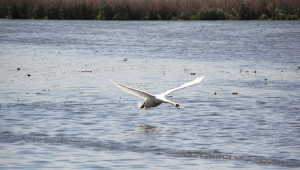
148 128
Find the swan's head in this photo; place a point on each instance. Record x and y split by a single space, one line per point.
177 105
141 105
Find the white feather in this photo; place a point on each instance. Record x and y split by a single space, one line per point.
155 100
191 83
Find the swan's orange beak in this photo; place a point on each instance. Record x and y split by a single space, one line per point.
177 105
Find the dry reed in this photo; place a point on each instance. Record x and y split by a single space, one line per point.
150 9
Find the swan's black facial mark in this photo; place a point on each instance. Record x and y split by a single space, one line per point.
177 105
143 106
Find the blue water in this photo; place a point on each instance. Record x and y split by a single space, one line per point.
59 110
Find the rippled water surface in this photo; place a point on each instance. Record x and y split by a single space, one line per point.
59 110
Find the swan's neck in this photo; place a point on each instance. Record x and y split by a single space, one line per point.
168 101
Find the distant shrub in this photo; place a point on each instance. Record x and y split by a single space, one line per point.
54 12
281 14
264 17
15 12
212 14
151 9
246 12
122 12
39 12
184 14
166 13
150 14
3 11
136 13
106 12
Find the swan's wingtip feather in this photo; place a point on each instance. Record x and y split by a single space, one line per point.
112 81
199 79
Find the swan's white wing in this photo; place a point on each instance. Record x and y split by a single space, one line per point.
133 91
191 83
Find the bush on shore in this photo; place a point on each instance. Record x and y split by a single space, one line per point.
151 9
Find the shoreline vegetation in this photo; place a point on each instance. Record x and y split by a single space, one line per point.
151 9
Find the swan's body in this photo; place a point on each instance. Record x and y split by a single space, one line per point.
155 100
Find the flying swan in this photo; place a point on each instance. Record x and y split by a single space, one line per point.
155 100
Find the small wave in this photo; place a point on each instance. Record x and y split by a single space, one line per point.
6 136
255 159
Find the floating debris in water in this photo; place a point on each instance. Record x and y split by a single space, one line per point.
192 73
246 71
18 69
169 96
28 75
124 60
86 71
215 93
234 93
185 70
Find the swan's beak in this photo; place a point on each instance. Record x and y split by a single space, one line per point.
177 105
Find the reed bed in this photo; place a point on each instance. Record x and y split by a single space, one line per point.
151 9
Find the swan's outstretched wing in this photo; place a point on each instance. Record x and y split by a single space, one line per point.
133 91
191 83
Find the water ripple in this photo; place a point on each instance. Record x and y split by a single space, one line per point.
6 136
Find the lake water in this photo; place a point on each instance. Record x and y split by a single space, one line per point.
59 109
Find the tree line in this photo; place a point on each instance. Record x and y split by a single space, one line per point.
151 9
